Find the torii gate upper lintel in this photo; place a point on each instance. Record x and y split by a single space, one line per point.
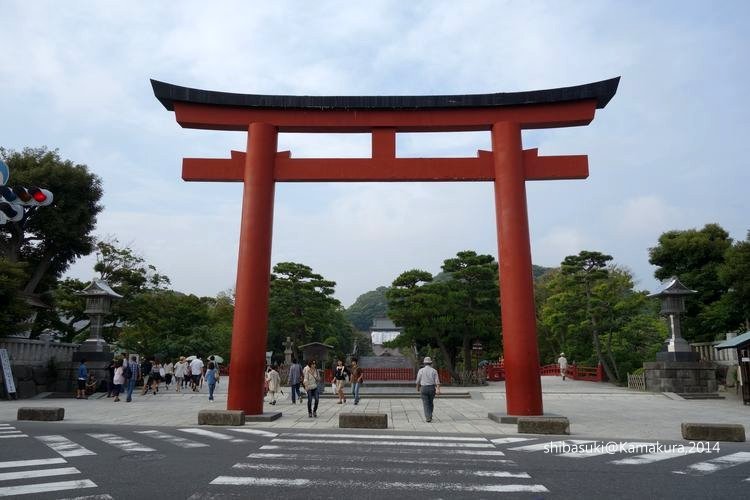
508 166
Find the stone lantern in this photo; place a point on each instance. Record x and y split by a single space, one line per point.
672 305
677 368
99 298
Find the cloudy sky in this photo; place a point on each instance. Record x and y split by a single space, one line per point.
670 151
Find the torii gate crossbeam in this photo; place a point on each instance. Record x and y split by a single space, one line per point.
508 166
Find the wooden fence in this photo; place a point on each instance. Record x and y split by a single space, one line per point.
637 382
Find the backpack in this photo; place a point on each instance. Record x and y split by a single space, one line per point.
127 372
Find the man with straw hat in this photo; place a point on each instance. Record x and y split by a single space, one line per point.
563 363
428 384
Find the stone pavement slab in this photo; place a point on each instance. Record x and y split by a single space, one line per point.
595 410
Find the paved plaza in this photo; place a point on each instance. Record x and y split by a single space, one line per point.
598 410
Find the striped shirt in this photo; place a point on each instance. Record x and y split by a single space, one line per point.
427 375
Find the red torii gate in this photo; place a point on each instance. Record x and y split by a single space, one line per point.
508 166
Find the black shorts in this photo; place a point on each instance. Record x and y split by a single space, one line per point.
81 385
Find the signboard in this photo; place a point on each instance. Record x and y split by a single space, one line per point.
10 387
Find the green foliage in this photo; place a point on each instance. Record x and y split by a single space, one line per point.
695 257
301 306
127 273
50 238
590 310
734 274
168 324
369 305
449 314
13 306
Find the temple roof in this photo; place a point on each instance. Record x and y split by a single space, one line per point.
601 92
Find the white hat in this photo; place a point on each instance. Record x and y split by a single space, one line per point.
427 360
562 354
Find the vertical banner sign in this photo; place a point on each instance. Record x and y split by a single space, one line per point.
7 374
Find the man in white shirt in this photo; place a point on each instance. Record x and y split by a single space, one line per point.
562 361
196 370
428 384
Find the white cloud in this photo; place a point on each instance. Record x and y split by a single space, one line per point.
667 153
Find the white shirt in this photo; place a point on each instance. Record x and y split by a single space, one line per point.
427 375
196 367
562 361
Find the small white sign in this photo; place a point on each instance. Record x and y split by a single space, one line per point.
7 374
746 360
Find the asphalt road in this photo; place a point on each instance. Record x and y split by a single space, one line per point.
52 460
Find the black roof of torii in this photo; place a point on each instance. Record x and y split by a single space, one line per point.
601 91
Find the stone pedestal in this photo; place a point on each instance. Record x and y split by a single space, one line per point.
680 377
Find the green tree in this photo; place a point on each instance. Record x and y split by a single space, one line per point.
474 289
302 307
448 314
48 239
695 256
369 305
734 274
591 311
126 272
168 324
13 305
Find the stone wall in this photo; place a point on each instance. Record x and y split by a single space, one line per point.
39 366
680 377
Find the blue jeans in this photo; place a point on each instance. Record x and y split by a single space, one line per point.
130 384
312 394
211 388
428 398
295 393
355 391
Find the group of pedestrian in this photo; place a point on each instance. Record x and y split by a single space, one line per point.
125 372
310 379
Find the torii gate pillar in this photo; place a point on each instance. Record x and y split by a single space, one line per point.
522 382
253 271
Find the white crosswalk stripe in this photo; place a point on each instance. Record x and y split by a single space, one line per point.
590 451
120 442
213 435
26 470
379 470
549 445
716 464
31 463
175 440
448 460
16 434
60 471
381 485
384 437
510 440
385 443
27 489
470 465
91 497
64 446
256 432
649 458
